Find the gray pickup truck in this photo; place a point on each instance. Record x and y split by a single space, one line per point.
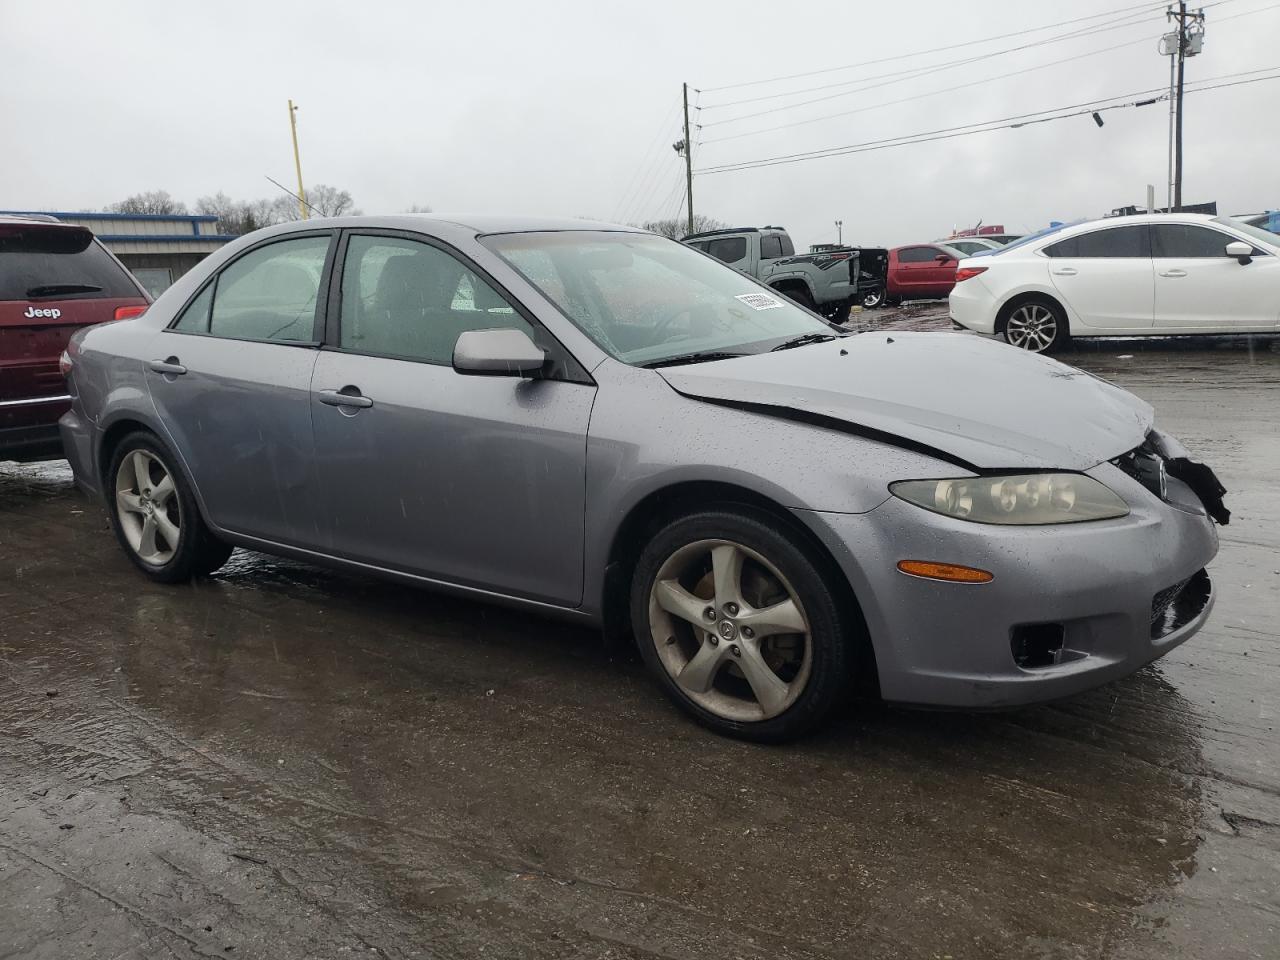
825 282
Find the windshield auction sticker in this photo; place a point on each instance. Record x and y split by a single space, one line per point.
758 301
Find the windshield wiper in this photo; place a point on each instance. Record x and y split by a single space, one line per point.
803 339
691 358
54 289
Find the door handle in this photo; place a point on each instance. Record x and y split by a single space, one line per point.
1065 272
337 398
170 367
1173 273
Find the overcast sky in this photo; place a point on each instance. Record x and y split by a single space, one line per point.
569 108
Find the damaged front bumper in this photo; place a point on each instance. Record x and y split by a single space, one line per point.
1070 607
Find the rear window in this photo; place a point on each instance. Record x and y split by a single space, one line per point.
58 263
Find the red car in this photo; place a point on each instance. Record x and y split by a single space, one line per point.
54 279
921 271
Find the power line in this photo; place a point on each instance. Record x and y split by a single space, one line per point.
643 167
930 93
898 76
948 133
921 53
961 86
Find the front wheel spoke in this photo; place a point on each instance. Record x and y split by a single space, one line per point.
782 617
726 568
141 471
128 502
163 491
168 530
700 672
679 602
770 689
147 545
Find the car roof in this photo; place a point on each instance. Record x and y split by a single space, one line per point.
43 218
479 223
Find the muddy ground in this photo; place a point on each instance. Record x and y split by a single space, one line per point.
286 762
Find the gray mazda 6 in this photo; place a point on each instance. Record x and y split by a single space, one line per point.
592 421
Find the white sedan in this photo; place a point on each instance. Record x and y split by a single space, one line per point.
1156 274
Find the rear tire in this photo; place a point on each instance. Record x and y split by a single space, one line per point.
154 513
770 683
800 296
1037 326
873 298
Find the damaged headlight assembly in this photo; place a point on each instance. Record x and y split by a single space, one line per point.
1025 500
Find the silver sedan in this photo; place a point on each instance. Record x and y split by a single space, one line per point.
591 421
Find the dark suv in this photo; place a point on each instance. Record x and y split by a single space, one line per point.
54 279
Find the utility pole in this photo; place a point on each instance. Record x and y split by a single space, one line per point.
840 233
297 161
1189 43
688 158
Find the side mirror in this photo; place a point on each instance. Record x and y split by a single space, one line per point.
497 353
1242 251
943 258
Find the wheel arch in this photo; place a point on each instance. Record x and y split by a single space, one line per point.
1030 296
661 506
127 422
794 282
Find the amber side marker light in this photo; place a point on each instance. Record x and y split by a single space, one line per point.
950 572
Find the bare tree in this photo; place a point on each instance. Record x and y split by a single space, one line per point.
236 217
676 229
322 201
419 208
153 202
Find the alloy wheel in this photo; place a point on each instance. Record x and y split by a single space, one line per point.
1032 327
730 630
148 508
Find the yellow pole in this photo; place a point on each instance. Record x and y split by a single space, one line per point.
297 162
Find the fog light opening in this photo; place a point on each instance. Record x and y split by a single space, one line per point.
1037 644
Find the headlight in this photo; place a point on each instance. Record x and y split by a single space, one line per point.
1036 498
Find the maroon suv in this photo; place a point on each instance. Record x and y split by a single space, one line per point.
54 279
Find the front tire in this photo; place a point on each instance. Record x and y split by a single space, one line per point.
873 298
1038 326
154 513
740 627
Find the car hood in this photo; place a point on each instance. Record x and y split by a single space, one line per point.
981 403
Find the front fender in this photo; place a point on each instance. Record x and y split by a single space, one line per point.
680 441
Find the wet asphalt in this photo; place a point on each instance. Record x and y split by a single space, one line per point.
287 762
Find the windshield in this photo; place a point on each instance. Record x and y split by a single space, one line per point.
1258 233
645 299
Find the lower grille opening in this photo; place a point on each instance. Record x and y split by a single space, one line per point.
1037 644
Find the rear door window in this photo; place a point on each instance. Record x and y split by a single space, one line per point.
1117 242
728 249
268 294
770 248
57 262
1182 240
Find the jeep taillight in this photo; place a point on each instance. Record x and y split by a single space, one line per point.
964 273
124 313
